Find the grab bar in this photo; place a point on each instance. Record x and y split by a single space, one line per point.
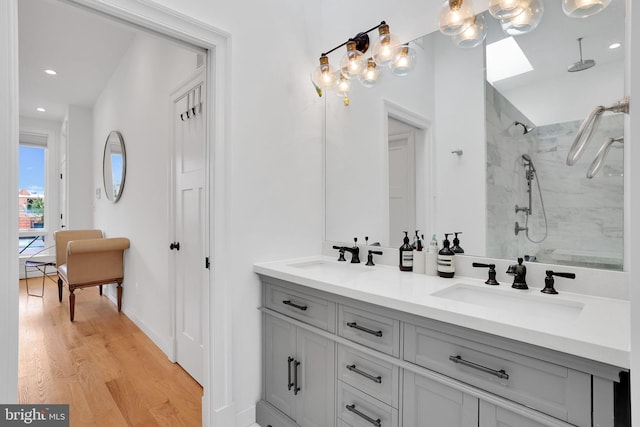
601 156
589 127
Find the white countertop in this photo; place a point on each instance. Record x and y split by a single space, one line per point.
600 331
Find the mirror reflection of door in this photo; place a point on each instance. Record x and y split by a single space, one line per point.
402 178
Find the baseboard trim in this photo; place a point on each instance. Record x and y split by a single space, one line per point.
246 417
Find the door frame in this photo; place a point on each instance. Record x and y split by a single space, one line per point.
217 401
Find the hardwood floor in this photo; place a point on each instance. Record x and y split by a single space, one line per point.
106 368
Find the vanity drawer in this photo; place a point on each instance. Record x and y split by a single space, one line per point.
369 374
306 308
370 329
550 388
356 409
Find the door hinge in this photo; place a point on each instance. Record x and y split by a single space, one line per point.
207 264
60 176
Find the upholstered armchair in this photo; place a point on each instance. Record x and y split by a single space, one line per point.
84 258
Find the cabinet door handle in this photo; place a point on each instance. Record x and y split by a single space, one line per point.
352 408
500 374
296 389
299 307
363 329
289 383
353 368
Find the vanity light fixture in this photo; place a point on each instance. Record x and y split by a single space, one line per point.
506 9
583 8
526 21
387 51
455 17
474 35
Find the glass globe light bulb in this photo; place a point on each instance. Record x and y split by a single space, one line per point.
474 35
371 75
384 49
506 9
525 22
455 17
583 8
324 75
404 60
352 63
343 86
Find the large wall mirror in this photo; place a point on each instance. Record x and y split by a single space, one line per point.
114 166
453 147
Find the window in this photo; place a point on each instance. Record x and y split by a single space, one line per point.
31 193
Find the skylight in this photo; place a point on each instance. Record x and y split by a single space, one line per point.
505 59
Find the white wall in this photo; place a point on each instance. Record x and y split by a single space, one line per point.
79 167
136 102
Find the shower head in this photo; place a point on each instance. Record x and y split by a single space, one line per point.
526 157
525 129
528 164
582 64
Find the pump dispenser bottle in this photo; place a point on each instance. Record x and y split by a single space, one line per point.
431 258
456 244
446 259
418 254
406 254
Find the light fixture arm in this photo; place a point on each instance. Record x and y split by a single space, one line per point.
361 39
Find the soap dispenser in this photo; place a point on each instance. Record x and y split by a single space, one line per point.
456 244
418 254
431 258
406 254
446 259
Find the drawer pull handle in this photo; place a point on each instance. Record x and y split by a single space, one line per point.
299 307
296 389
363 329
352 408
289 383
500 374
353 368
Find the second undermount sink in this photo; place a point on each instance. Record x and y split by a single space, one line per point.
531 307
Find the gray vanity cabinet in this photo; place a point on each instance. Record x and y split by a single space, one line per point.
299 373
331 361
428 403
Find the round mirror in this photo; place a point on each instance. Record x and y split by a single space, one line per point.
114 166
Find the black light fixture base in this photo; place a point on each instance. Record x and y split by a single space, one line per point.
362 42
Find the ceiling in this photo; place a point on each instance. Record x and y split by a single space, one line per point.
82 47
553 45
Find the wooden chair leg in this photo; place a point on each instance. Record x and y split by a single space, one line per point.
119 297
101 290
72 303
59 289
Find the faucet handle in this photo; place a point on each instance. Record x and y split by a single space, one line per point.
492 272
549 281
341 252
370 256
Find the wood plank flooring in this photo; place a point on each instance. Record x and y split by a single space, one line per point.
106 368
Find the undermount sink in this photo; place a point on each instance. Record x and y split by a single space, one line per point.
335 269
530 307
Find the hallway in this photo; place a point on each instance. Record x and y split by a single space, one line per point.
106 368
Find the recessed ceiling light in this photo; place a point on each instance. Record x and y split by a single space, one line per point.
505 59
614 45
42 110
51 72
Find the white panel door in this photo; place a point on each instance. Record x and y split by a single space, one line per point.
402 196
189 219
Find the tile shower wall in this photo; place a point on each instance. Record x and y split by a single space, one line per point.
584 216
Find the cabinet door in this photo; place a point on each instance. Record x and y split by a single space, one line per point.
430 404
316 379
279 347
493 416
